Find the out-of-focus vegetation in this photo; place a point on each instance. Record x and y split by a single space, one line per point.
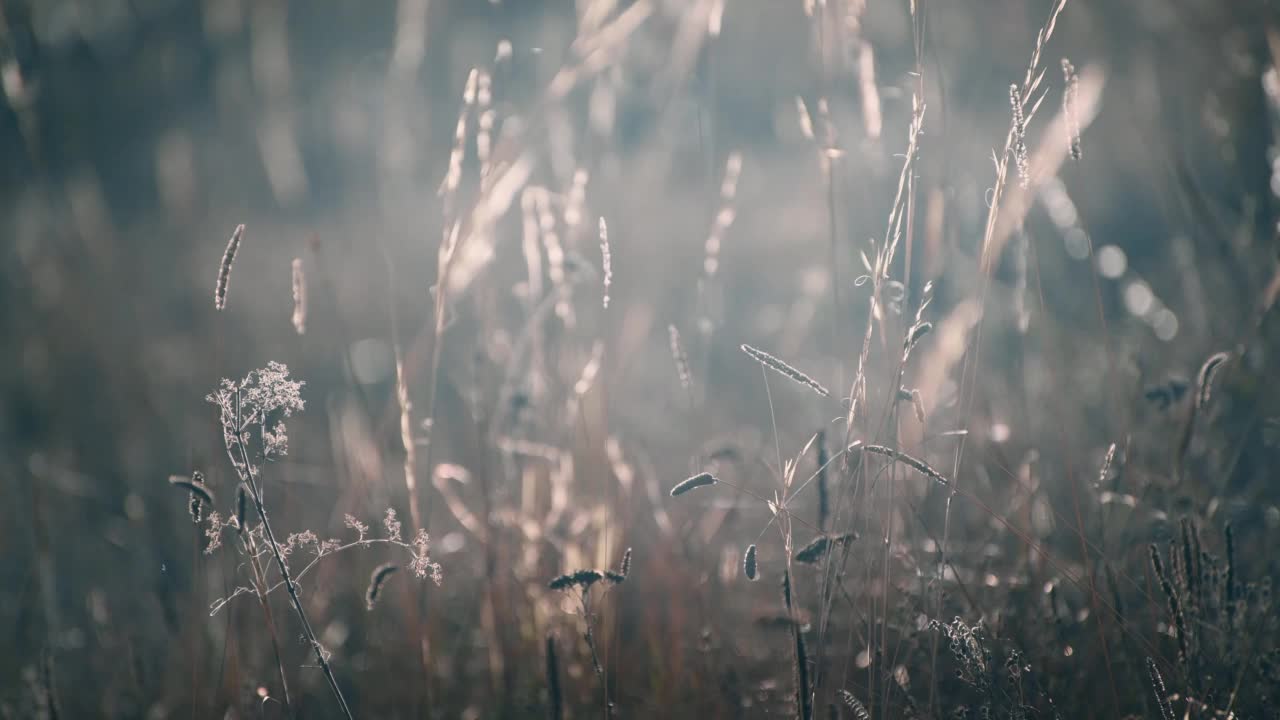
1035 489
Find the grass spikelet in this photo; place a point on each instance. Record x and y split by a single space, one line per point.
1106 467
854 704
1204 379
1175 607
299 297
624 567
224 270
606 261
680 357
784 369
242 505
377 579
918 331
1157 687
915 463
1071 107
724 218
697 481
1020 156
749 567
194 485
813 552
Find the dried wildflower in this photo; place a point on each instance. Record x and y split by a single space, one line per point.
697 481
213 533
351 522
422 566
259 397
749 566
392 525
224 270
578 578
377 579
784 369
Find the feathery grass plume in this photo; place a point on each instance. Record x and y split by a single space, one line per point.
377 579
1071 107
224 270
680 357
724 218
242 505
1106 467
784 369
555 700
854 704
578 578
1157 687
813 552
1175 607
824 497
606 261
1020 137
1204 379
749 563
917 464
299 297
697 481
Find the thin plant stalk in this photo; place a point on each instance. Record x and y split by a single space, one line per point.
255 493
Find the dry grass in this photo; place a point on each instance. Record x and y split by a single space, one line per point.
998 488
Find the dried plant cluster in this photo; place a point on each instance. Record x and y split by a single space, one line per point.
893 432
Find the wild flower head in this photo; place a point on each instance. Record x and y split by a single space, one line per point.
263 395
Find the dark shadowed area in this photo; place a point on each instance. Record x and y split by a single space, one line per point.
657 358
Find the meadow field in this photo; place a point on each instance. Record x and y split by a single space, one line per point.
708 359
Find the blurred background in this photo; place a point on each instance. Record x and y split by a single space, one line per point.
135 135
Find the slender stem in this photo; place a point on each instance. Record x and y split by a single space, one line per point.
255 492
260 587
589 635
